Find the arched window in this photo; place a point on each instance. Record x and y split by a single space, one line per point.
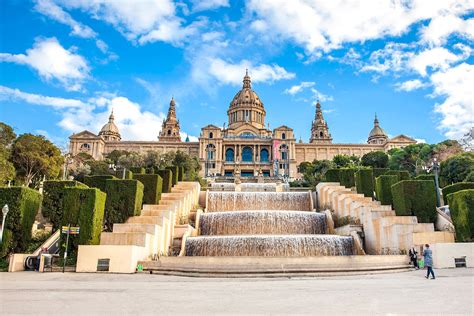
85 147
247 154
211 135
264 155
169 132
283 136
229 155
321 134
210 149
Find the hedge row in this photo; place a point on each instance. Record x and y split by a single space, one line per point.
128 174
152 187
456 187
461 207
23 204
402 175
138 170
167 176
83 207
332 175
181 174
347 177
417 198
53 192
98 181
364 181
174 174
430 177
379 171
383 188
124 199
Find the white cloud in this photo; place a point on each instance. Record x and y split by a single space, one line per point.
410 85
441 27
202 5
183 136
299 87
436 58
457 110
321 96
392 58
326 25
229 73
53 62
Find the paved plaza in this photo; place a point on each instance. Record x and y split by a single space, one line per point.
395 293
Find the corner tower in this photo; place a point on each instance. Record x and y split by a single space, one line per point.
319 129
170 127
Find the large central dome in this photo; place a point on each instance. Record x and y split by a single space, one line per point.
246 107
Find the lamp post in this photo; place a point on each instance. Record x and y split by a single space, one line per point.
114 168
5 210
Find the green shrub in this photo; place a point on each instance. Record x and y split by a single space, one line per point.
53 192
461 206
151 170
347 177
152 187
383 188
128 174
84 208
332 175
364 181
23 204
166 175
180 173
402 174
380 171
138 170
98 181
174 174
425 177
417 198
456 187
7 245
124 199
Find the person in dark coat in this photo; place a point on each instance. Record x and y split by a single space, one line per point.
428 258
413 257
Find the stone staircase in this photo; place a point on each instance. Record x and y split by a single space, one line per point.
145 237
385 233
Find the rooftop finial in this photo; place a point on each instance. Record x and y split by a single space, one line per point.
111 117
247 81
376 120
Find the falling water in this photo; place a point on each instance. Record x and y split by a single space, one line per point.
270 245
258 187
262 223
257 201
222 186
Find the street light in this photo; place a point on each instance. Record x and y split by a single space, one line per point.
114 168
5 210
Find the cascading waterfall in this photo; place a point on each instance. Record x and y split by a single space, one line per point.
258 187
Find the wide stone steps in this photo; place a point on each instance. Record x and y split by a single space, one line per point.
134 239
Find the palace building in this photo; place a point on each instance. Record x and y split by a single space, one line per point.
245 147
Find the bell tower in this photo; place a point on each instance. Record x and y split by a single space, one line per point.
319 129
170 127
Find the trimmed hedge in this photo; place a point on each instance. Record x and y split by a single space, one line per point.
152 187
461 207
456 187
417 198
347 177
98 181
53 192
128 174
380 171
430 177
180 173
364 180
83 207
124 199
23 204
332 175
383 188
166 175
402 174
174 174
138 170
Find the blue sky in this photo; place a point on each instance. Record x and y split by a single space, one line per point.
65 64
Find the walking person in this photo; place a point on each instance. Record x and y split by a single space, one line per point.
413 257
428 258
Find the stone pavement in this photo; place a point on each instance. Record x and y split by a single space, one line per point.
91 294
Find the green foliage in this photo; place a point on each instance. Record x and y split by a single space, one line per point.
410 158
383 188
417 198
124 199
181 173
447 190
457 168
166 175
341 161
7 246
401 174
23 204
380 171
35 157
430 177
470 177
132 159
115 154
119 174
98 167
332 175
461 207
53 192
375 159
347 177
364 181
7 170
152 187
174 174
83 207
7 135
37 240
137 170
98 181
313 172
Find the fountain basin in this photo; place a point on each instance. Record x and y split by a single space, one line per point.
262 223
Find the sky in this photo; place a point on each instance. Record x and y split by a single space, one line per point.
64 65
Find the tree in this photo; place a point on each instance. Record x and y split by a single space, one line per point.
7 170
446 149
457 168
410 158
342 161
470 177
313 172
131 160
35 156
7 135
114 155
375 159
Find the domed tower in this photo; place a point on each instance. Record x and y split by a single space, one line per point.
377 134
110 131
246 107
319 129
170 128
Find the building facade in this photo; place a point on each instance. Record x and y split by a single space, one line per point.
245 147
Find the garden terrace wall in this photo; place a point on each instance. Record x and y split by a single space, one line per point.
23 204
124 199
383 188
456 187
152 187
417 198
53 192
461 207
